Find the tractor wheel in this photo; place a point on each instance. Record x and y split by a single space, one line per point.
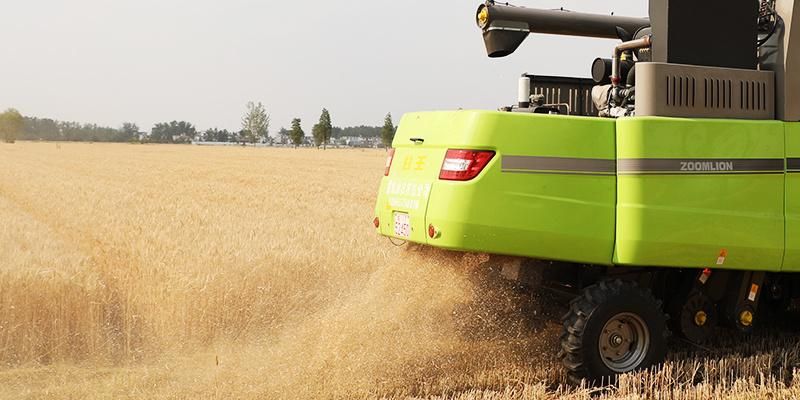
613 328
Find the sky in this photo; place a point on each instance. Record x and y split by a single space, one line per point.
149 61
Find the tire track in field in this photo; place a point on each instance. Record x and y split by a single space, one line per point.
122 334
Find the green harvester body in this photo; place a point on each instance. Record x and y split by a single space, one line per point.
634 191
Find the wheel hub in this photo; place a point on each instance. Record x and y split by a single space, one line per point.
700 318
696 320
624 342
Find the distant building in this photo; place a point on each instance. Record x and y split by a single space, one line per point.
357 141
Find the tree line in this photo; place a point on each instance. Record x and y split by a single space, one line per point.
255 125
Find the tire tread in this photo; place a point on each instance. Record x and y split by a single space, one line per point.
581 310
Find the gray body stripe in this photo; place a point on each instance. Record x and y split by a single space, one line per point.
704 173
517 171
573 165
649 166
700 166
793 164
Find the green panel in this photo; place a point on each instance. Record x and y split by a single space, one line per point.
686 218
549 212
407 190
791 261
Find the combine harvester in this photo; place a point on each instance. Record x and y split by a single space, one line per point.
662 194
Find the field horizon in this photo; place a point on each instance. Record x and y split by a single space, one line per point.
174 271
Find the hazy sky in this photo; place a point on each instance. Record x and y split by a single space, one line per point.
149 61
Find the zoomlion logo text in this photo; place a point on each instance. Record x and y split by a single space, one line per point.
706 165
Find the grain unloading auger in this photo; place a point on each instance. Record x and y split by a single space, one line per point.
663 193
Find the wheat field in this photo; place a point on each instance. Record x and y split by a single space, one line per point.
172 272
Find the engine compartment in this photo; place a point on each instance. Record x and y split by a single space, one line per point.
712 59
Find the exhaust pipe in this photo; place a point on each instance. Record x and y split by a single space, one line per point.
642 43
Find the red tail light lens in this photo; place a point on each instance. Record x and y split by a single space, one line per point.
463 165
389 158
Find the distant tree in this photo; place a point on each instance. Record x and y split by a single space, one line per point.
41 128
283 135
240 137
321 132
128 132
12 125
255 122
222 136
173 132
216 135
296 134
316 134
185 132
160 133
208 135
387 133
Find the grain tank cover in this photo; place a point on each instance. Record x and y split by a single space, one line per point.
505 27
713 33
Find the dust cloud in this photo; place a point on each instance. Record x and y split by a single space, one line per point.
428 324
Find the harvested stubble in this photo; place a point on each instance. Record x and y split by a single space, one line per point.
131 271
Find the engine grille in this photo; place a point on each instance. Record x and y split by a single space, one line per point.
676 90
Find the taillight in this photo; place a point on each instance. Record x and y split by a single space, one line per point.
463 165
389 158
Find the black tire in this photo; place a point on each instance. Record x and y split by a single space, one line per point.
774 303
627 307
